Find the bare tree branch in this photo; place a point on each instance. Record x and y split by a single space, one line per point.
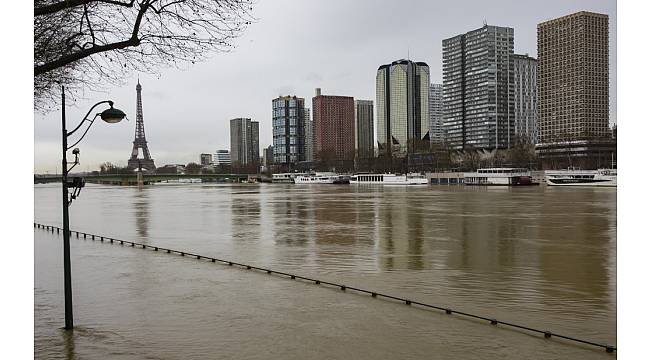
60 5
84 43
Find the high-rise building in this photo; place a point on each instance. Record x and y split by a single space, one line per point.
288 130
478 82
573 81
309 137
402 90
436 130
206 159
525 97
267 157
333 127
364 134
244 142
221 157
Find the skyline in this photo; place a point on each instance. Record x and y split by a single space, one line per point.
182 123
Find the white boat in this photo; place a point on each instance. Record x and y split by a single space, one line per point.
322 178
287 178
389 179
500 176
189 181
575 177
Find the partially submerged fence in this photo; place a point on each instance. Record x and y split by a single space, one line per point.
449 311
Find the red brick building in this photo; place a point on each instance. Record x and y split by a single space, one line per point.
333 118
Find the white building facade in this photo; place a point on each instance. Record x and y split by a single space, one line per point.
221 157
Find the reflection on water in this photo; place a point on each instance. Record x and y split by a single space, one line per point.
539 256
577 260
401 234
141 205
245 216
291 219
68 341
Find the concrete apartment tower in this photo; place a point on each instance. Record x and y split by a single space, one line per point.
364 130
333 127
288 130
436 130
525 97
244 142
267 156
478 81
402 91
573 81
206 159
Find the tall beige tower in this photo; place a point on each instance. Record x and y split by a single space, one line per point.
573 80
402 90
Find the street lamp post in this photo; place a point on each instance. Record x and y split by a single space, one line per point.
110 115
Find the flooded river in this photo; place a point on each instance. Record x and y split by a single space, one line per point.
538 256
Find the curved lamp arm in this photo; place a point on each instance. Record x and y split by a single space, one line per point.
85 132
86 117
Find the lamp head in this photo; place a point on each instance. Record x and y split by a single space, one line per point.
112 115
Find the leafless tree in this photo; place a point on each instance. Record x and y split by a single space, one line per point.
521 152
471 160
192 168
86 43
109 168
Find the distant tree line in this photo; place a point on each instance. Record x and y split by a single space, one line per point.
425 157
108 168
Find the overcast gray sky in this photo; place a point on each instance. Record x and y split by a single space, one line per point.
295 46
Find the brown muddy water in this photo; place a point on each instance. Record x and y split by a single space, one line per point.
538 256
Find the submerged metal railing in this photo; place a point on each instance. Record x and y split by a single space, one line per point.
547 334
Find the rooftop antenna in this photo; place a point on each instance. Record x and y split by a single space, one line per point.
484 22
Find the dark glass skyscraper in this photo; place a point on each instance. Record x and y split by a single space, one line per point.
478 84
436 130
244 142
364 134
288 130
525 97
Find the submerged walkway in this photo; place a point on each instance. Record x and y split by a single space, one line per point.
547 334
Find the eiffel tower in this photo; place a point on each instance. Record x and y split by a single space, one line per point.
140 141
